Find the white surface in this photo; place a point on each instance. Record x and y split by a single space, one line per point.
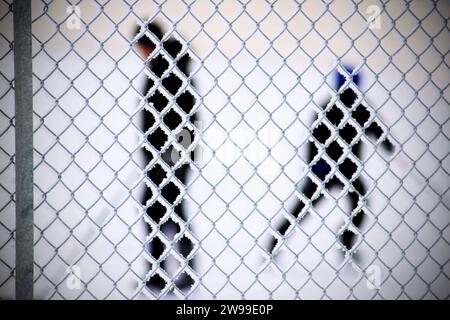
407 226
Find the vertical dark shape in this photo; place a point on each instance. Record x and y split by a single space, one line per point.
171 104
24 148
323 141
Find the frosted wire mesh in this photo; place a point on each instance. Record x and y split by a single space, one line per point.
262 69
7 173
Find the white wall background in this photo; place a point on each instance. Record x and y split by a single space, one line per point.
257 86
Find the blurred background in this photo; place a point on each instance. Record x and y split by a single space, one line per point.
261 68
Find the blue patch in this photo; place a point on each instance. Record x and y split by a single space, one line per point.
339 79
321 169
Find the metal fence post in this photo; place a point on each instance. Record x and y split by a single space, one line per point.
24 148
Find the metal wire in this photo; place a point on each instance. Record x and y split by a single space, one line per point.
262 79
7 151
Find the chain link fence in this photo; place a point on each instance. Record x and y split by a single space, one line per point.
264 90
7 205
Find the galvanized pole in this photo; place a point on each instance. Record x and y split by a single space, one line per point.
24 148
